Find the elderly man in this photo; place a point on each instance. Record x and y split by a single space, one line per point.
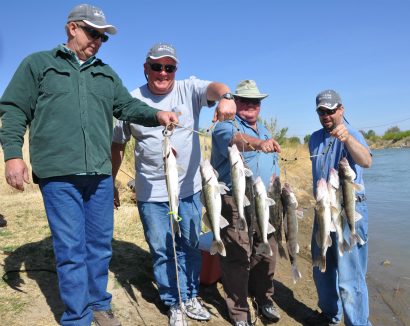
242 269
186 97
68 98
342 288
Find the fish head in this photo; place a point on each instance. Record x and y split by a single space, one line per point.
345 171
234 154
333 179
207 172
290 195
168 148
321 190
259 186
274 183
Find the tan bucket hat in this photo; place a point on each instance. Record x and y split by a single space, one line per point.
247 88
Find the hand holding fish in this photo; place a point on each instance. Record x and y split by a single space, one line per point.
269 146
341 133
166 117
225 110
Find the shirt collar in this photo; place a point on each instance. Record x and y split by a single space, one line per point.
72 53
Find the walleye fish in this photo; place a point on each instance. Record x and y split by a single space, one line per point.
262 204
333 186
276 212
238 174
169 155
211 199
290 224
346 176
250 210
324 220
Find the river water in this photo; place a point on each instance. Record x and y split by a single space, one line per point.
387 184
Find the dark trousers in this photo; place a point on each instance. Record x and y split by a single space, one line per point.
242 270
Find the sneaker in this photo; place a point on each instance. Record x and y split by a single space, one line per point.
105 318
175 317
194 310
319 319
243 323
270 312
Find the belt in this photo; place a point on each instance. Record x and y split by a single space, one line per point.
361 198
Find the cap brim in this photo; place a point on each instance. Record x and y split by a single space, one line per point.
261 96
327 106
108 28
163 56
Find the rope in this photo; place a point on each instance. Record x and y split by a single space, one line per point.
166 135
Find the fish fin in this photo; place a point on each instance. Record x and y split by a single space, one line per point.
299 213
264 247
282 252
344 213
332 227
159 166
223 222
216 173
217 246
357 216
270 202
223 188
205 219
346 246
334 210
295 273
248 172
329 241
241 224
271 229
318 238
341 248
358 187
246 201
297 248
320 262
180 169
202 197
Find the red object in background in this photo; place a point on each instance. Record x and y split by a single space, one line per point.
210 270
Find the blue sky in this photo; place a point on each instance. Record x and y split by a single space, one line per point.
292 49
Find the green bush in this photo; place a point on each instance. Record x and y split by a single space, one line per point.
396 136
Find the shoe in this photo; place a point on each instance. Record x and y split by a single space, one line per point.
270 312
105 318
243 323
194 310
319 319
175 317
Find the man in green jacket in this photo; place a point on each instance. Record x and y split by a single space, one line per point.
68 97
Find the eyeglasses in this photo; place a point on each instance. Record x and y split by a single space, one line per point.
328 111
94 34
158 67
244 100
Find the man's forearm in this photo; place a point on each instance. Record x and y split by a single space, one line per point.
117 155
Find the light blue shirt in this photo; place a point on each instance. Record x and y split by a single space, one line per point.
221 138
317 144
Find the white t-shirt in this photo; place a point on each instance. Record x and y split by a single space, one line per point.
186 99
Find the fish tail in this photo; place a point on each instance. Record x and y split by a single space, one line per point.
346 246
241 224
320 262
217 246
295 273
264 247
282 252
354 238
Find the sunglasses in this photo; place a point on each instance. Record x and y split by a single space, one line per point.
93 33
158 67
254 101
328 112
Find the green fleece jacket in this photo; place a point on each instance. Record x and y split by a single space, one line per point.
69 110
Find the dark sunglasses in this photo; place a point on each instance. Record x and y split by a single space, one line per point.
158 67
94 34
244 100
328 111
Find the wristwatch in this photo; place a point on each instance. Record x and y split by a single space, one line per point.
228 96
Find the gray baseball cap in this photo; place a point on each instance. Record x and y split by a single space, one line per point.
328 99
160 50
247 88
93 16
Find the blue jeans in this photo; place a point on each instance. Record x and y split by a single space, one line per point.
157 229
345 276
80 214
